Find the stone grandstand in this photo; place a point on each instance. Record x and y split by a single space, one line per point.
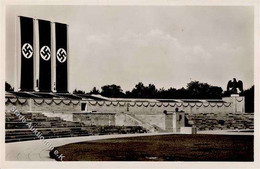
51 127
68 115
55 127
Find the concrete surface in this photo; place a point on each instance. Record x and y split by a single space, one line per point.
36 150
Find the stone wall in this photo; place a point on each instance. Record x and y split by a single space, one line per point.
152 112
56 105
95 119
44 105
204 114
229 105
21 104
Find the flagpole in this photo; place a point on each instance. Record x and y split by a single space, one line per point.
36 57
68 61
17 85
53 57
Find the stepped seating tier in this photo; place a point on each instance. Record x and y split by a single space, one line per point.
55 127
230 121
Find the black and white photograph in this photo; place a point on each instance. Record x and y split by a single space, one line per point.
157 84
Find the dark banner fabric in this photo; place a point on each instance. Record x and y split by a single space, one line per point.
61 58
27 54
45 55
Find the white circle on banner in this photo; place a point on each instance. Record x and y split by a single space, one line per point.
61 55
45 53
27 50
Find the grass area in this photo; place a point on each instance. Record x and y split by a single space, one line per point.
197 147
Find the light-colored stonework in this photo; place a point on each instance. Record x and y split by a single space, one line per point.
205 114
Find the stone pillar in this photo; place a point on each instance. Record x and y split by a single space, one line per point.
237 103
174 121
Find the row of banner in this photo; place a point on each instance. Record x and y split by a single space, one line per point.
158 104
45 54
116 103
23 101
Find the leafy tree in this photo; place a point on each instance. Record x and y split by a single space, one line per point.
141 91
182 94
226 94
249 100
112 91
161 93
8 87
150 91
171 93
138 91
78 91
215 92
194 90
128 94
199 90
94 91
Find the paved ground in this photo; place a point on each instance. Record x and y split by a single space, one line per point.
37 151
227 132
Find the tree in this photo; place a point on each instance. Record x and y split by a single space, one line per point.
128 94
112 91
249 100
138 91
150 91
199 90
94 91
182 94
215 92
141 91
171 93
8 87
78 91
194 90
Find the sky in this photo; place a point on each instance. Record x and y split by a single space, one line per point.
168 46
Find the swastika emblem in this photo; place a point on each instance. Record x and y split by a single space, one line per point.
45 53
27 50
61 55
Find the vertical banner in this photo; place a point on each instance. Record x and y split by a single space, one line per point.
27 54
44 55
61 58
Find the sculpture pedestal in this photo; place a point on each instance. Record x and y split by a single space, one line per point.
237 103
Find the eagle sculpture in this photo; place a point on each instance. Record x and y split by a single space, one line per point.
232 86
